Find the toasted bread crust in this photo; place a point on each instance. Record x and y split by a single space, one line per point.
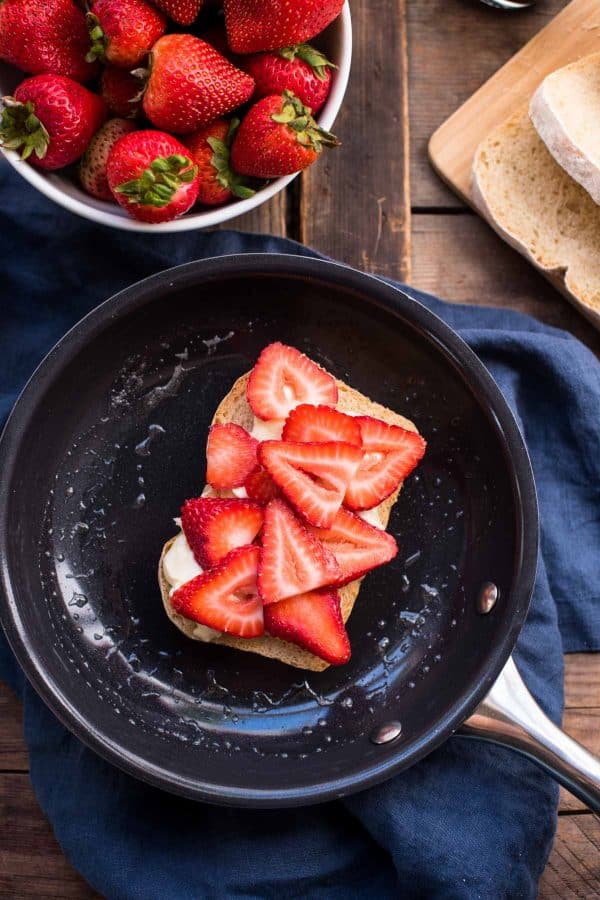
563 111
527 198
235 408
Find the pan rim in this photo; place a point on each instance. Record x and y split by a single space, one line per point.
477 379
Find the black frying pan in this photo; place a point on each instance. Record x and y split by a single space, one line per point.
108 439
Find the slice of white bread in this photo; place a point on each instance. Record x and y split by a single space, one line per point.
565 111
235 408
535 206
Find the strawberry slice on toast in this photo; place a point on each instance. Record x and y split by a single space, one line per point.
292 561
282 378
225 598
357 546
313 477
261 488
214 527
314 622
285 559
390 454
315 424
230 456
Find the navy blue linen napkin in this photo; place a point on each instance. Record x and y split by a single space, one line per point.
470 821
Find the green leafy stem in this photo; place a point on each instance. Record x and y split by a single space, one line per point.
158 184
20 129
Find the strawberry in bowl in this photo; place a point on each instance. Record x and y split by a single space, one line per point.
277 137
150 62
301 69
51 120
152 175
40 36
254 25
123 32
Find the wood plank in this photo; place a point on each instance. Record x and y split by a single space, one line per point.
13 752
461 259
582 710
354 202
573 870
270 218
453 48
584 726
582 680
31 861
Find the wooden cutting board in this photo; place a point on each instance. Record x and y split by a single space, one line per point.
573 33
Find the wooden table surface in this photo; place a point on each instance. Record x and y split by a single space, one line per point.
377 205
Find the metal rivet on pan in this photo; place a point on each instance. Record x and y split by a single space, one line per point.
487 598
390 731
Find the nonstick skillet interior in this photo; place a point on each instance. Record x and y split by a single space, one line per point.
108 440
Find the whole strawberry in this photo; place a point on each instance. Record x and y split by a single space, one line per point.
191 84
45 36
278 136
151 175
92 165
210 150
254 25
300 69
121 91
51 119
123 32
184 12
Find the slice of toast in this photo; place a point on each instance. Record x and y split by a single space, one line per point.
565 110
538 209
235 408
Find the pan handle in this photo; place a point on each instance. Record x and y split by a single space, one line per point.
510 717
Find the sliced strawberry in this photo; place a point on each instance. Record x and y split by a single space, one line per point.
225 598
282 378
261 488
357 546
315 424
292 561
390 454
313 477
215 527
230 456
314 622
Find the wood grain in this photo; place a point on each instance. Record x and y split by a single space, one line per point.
13 752
453 48
461 259
31 861
573 870
584 726
582 681
270 218
574 32
354 203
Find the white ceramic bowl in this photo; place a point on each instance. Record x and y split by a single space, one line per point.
335 41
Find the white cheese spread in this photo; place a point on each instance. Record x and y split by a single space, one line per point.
179 567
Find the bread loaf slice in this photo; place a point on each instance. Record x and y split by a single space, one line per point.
235 408
565 111
542 212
